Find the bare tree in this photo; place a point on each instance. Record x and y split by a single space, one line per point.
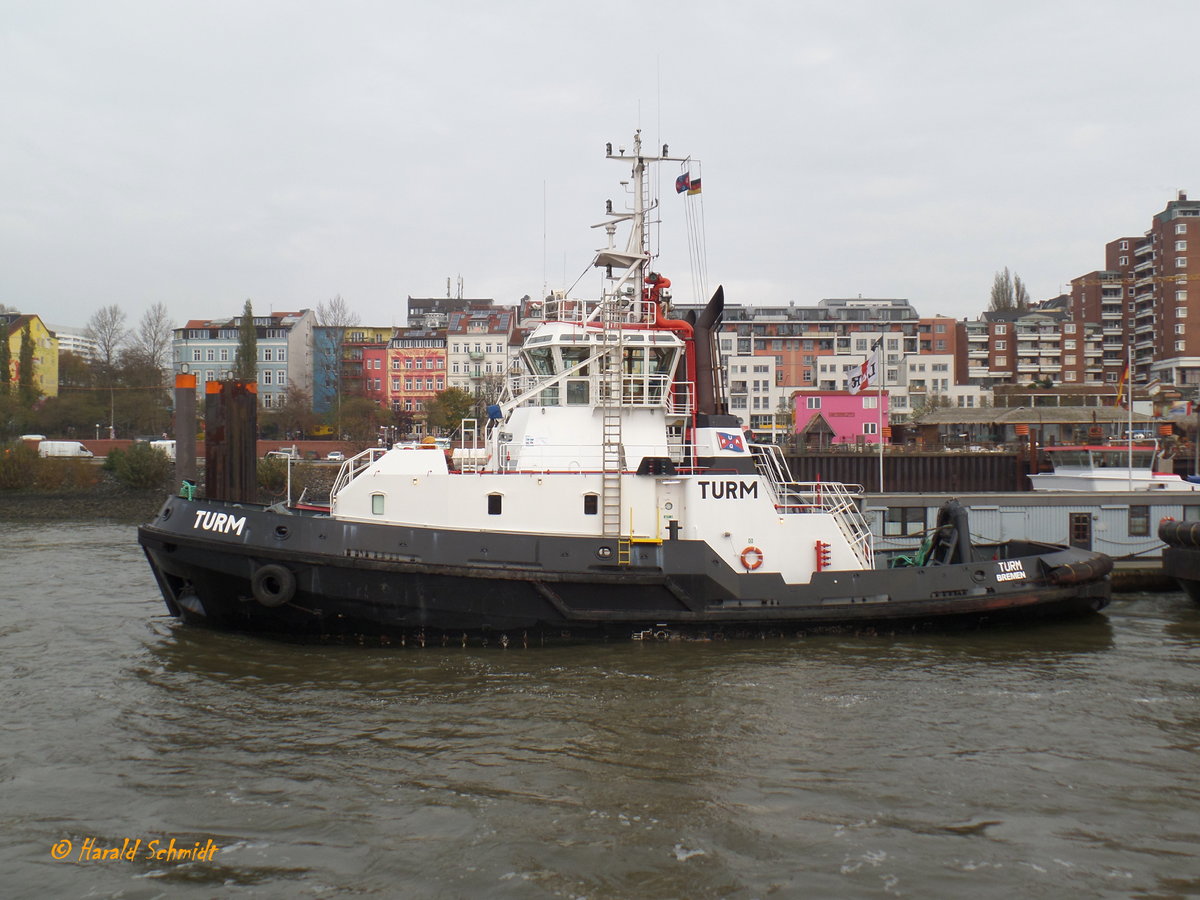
336 313
151 342
107 328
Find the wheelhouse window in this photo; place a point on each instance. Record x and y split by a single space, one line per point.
494 504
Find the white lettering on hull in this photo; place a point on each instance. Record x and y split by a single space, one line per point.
727 490
1010 570
223 523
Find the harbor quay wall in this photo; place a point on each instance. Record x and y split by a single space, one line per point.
939 473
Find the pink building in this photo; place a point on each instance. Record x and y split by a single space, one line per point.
839 417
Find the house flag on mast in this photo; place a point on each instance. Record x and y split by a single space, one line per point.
866 374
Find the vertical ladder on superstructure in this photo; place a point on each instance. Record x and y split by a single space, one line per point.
612 456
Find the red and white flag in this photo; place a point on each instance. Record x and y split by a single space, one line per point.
865 375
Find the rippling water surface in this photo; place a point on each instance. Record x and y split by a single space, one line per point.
1057 761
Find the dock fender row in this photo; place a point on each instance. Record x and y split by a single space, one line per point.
1081 572
273 585
752 558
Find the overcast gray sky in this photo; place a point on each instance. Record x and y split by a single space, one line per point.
202 153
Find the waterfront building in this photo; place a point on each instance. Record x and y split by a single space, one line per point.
207 349
363 350
327 367
1047 345
75 341
416 371
825 418
433 313
1144 296
479 349
13 327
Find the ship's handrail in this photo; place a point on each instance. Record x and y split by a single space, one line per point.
354 466
636 391
579 312
833 497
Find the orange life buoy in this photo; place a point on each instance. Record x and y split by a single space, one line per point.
752 558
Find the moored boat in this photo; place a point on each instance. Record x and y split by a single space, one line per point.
610 493
1111 467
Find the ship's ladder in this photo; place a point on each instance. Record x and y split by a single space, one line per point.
612 454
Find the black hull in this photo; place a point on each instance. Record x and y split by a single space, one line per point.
312 577
1181 556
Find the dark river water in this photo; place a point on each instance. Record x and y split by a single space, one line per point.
1057 761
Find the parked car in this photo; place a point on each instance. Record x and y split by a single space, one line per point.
335 456
63 448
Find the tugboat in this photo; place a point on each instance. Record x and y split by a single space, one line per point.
610 494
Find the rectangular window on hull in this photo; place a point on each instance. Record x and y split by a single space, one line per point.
1139 521
494 504
377 504
903 520
591 504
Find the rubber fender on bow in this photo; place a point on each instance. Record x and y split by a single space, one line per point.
273 585
1179 534
1081 572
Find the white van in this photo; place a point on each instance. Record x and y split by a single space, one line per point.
64 448
167 447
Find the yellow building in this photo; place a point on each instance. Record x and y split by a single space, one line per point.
45 351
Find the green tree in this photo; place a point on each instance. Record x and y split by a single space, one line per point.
74 371
5 357
1008 292
245 363
25 385
71 413
144 405
141 466
295 415
361 418
448 408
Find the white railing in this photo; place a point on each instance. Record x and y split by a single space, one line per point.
579 312
636 391
354 466
833 497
